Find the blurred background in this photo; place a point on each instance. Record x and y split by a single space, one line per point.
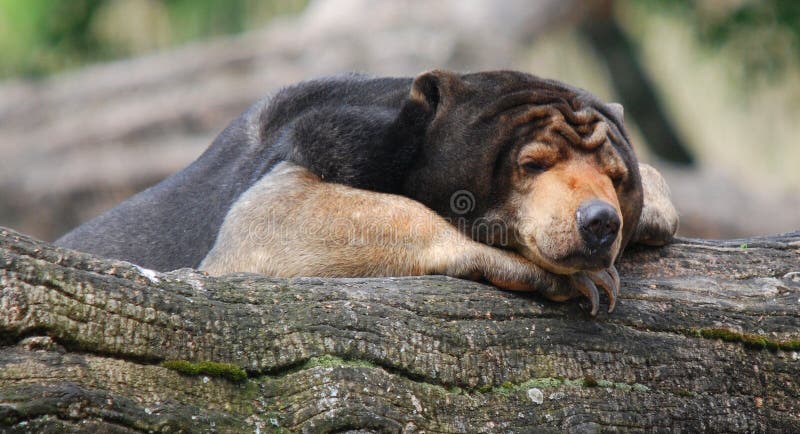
102 98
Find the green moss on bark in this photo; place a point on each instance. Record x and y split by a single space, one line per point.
749 340
329 361
212 369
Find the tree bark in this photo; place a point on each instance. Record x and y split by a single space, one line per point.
84 344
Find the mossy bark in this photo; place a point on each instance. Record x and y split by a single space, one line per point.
84 340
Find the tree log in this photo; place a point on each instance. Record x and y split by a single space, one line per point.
705 337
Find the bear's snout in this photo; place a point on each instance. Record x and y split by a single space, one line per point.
598 224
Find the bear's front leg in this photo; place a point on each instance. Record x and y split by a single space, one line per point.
458 256
292 224
659 221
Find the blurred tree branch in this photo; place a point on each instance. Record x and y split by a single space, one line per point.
630 80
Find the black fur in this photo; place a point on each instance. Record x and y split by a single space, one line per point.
174 223
360 131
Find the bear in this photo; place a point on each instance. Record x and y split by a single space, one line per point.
501 176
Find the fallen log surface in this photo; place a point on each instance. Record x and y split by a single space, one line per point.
705 337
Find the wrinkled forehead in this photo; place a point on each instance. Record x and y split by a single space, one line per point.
524 107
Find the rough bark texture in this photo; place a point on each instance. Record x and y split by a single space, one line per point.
84 341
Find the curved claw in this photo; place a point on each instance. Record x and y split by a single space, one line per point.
612 271
605 280
587 288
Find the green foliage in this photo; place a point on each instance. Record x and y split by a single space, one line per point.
43 36
212 369
765 34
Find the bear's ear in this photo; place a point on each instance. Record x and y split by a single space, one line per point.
617 109
430 88
429 93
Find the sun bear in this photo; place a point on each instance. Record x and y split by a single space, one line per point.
527 183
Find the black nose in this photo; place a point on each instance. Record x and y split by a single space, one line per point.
598 224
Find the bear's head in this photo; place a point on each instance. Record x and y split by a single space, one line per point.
526 164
